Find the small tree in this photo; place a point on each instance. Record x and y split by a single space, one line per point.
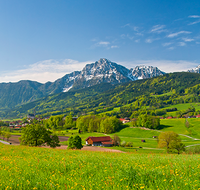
116 140
75 142
69 123
178 146
54 141
171 141
37 135
3 133
7 135
123 143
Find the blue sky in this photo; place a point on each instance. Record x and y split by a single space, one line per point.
43 40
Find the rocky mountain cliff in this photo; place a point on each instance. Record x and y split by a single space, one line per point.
107 72
143 72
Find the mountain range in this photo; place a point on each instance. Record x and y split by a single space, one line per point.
100 72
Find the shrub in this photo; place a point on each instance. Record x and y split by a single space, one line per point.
123 143
129 144
193 150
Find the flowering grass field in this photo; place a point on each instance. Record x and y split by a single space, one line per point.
42 168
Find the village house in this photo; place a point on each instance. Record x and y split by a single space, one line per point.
31 116
124 120
18 127
99 141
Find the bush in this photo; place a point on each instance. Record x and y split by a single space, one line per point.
38 135
123 143
193 150
129 144
75 142
116 140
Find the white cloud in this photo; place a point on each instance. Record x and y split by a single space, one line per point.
43 71
114 47
51 70
137 41
181 44
139 34
195 22
194 16
167 44
158 29
130 37
171 48
172 35
150 40
187 39
164 65
103 43
124 36
135 28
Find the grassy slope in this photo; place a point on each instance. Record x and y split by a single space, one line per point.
185 106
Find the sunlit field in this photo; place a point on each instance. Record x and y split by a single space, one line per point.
43 168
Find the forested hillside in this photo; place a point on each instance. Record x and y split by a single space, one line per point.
153 93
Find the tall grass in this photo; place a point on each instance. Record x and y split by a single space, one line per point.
42 168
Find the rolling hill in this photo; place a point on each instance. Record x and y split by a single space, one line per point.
157 92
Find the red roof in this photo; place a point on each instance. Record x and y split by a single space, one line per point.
99 139
169 118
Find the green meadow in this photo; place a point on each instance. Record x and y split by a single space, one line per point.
135 135
142 166
44 168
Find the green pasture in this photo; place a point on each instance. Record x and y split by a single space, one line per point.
116 109
24 168
178 126
165 94
137 132
185 106
135 135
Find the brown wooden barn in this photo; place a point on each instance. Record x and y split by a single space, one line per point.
99 141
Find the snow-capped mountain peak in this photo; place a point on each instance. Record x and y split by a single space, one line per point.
105 71
195 70
143 72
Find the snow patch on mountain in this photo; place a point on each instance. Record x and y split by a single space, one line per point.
67 89
195 70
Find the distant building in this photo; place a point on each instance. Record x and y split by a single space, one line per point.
31 116
125 120
74 118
